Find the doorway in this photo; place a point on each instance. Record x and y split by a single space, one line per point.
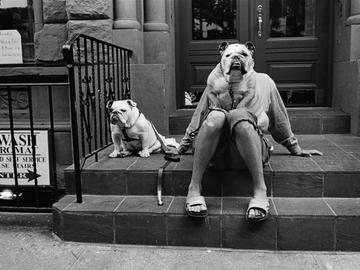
292 40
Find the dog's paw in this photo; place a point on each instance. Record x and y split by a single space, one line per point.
114 154
144 153
125 153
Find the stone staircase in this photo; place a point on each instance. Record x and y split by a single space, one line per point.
308 120
314 201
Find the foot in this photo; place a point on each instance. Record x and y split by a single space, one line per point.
144 153
258 209
195 203
114 154
257 213
196 206
120 154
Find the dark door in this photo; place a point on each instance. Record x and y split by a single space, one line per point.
291 39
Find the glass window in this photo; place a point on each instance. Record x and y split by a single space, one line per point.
19 15
292 18
213 19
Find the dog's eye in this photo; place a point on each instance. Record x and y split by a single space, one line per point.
227 55
244 54
122 110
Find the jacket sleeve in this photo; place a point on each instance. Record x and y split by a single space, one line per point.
279 125
196 120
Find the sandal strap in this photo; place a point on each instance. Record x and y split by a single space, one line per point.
260 204
197 200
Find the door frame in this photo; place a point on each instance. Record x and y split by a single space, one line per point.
247 33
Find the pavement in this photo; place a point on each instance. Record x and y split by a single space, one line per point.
37 248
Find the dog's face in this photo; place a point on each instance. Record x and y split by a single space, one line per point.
236 59
121 111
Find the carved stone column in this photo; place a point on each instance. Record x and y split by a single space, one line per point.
155 19
159 57
125 14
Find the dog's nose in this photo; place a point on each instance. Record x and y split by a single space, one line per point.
113 119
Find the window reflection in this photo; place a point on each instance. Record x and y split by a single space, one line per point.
292 18
213 19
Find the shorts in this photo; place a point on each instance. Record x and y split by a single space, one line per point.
227 155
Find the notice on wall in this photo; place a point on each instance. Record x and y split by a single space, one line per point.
24 158
13 3
10 47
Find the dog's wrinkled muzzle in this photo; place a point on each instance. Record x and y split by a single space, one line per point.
114 119
237 64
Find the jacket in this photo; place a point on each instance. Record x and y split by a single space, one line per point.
266 99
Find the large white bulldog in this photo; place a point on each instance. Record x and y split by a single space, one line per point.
132 133
234 89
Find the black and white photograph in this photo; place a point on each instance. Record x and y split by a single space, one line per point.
180 134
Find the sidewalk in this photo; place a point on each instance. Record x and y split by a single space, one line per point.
36 248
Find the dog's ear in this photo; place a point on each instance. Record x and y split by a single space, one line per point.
131 103
250 46
109 104
223 46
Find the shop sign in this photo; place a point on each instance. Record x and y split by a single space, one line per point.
24 158
13 3
10 47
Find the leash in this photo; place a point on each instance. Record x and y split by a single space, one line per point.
169 156
169 152
160 176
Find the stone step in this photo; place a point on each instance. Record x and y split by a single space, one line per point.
318 120
326 224
335 174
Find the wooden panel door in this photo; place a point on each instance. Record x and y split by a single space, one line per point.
292 45
292 39
201 25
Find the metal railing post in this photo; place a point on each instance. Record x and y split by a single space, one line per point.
68 55
90 108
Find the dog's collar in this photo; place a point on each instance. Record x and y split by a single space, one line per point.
123 130
134 121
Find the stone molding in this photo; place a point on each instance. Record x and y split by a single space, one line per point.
353 20
19 98
354 13
89 9
125 14
155 19
100 29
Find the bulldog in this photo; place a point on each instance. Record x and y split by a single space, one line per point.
234 88
132 133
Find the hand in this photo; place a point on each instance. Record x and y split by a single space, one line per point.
309 153
182 149
171 150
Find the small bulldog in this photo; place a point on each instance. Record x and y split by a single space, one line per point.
132 133
234 89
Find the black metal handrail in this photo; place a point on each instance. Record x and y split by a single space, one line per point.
98 72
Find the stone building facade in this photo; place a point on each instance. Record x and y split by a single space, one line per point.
148 27
346 61
145 27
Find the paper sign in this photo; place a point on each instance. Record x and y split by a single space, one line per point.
24 158
10 47
13 3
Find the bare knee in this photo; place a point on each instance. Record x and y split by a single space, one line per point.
215 120
243 128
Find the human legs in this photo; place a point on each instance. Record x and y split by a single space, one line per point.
207 140
249 145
